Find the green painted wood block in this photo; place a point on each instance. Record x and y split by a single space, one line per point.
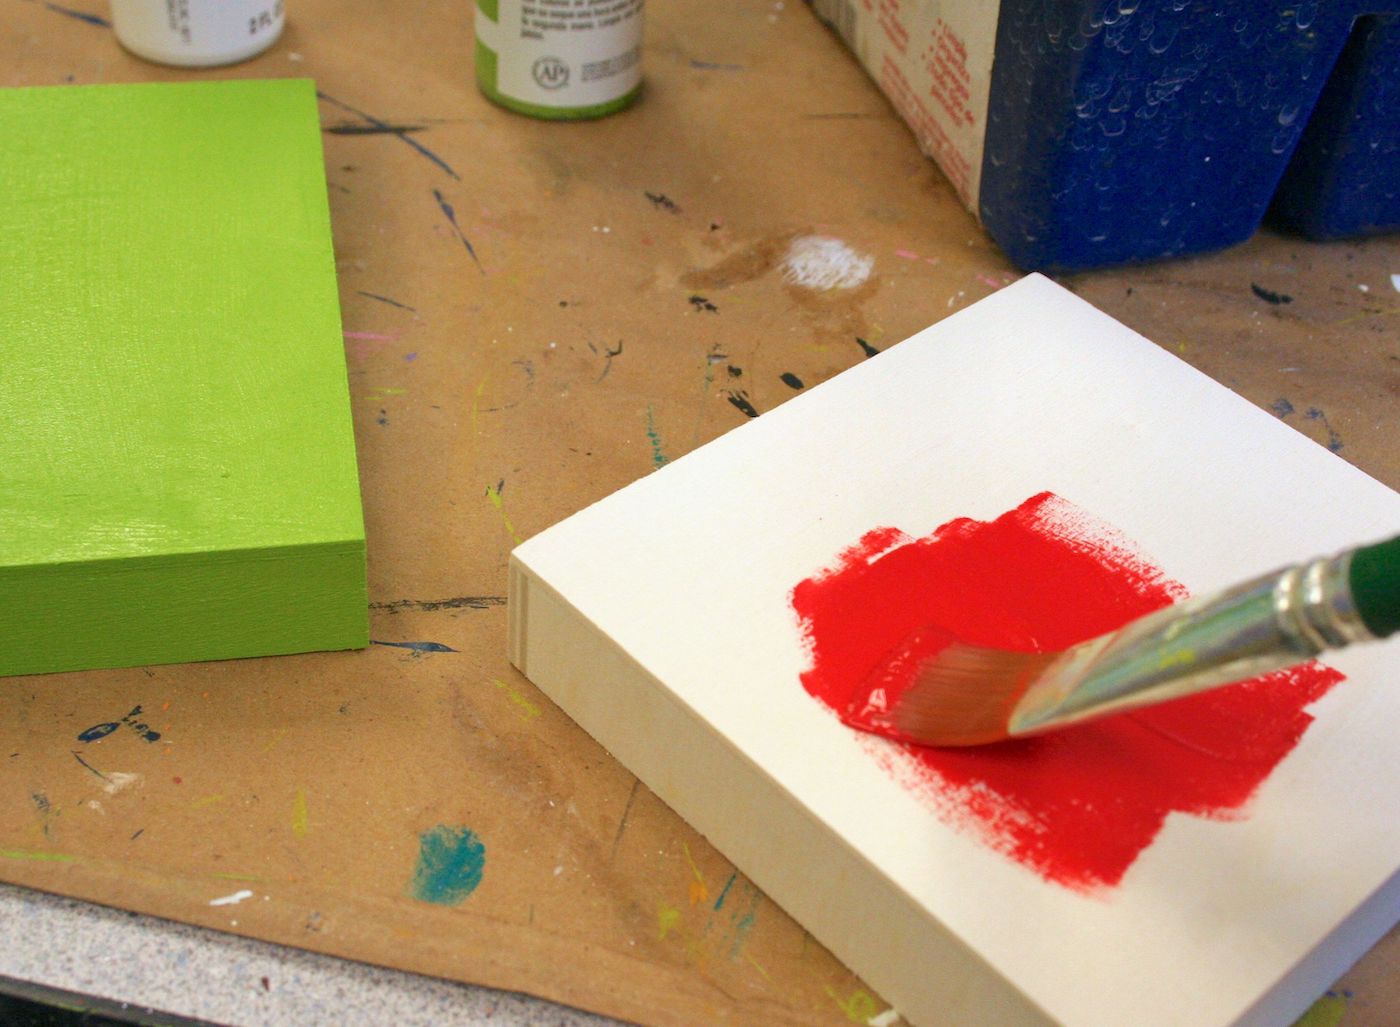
177 461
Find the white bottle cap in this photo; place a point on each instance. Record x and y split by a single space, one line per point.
197 33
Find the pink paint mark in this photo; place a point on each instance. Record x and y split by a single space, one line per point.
370 336
906 254
995 283
1077 806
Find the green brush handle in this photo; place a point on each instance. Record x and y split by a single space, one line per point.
1374 580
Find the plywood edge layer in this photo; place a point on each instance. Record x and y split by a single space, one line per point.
863 917
178 608
517 613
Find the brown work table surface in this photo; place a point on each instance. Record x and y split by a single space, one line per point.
536 314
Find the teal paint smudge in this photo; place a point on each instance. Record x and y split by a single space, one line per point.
451 861
724 892
741 935
744 924
657 457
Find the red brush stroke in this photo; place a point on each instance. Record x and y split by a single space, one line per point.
1079 805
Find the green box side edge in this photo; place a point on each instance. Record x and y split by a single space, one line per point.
183 608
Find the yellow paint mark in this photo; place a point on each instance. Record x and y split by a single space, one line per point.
695 951
1325 1012
495 496
527 709
698 892
860 1008
300 822
759 967
277 737
238 877
1352 320
36 856
1176 658
667 919
206 800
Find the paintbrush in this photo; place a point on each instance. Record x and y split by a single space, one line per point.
935 689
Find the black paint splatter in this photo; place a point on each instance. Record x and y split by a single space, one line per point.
90 767
1269 296
455 603
1334 441
99 731
418 647
383 418
386 299
92 734
91 19
452 218
734 372
701 303
663 202
1282 407
791 380
350 128
740 400
379 123
866 348
607 355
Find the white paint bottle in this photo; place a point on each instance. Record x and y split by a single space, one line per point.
197 33
560 59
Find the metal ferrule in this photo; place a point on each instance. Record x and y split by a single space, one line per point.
1275 621
1314 602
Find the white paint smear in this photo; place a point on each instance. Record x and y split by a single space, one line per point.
232 900
821 262
1395 282
116 781
885 1019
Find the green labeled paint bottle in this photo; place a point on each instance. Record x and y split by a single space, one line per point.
560 59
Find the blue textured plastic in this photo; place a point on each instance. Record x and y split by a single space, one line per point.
1127 131
1344 178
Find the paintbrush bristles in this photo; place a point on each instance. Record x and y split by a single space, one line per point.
964 695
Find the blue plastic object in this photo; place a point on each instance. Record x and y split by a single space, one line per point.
1344 178
1133 130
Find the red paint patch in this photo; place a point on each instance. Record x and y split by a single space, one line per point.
1076 806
